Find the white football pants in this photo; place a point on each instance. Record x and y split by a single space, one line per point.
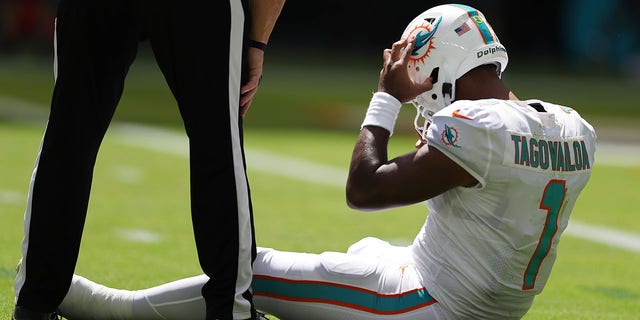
372 280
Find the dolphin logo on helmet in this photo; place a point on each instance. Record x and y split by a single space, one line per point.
424 39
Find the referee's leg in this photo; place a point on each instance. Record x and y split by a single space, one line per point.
92 57
207 92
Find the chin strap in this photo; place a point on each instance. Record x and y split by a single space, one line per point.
447 89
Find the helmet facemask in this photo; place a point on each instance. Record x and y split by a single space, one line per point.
430 102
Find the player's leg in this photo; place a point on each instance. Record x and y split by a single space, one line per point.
92 55
207 91
381 250
89 300
334 285
180 299
288 285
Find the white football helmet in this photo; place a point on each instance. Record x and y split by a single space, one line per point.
450 40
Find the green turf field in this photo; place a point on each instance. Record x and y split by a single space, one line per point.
138 231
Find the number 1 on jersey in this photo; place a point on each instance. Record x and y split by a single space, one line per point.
552 199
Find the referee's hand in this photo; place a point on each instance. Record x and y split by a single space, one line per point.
255 59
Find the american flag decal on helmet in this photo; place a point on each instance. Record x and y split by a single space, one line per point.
462 29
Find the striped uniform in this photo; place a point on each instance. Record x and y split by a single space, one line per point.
96 42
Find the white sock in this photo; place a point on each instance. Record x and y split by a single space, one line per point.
89 300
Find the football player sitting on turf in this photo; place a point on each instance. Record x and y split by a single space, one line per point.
500 177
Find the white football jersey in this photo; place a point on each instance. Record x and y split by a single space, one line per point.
491 247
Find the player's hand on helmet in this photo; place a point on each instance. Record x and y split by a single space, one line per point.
394 76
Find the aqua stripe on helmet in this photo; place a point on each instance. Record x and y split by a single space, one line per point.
485 32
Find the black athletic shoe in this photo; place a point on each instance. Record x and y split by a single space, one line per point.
20 313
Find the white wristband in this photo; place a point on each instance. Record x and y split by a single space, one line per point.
383 111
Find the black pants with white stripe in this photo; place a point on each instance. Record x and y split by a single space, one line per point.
198 46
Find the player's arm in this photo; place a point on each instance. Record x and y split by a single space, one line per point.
376 183
264 15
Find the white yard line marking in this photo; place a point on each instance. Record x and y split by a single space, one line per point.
621 155
167 141
12 197
139 235
609 236
171 142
